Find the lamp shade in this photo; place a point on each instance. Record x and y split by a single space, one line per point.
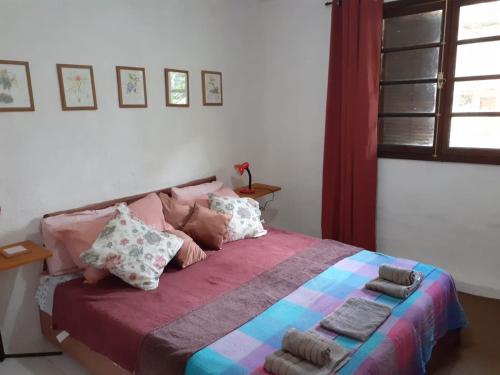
241 168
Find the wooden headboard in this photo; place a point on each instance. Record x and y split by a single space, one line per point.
97 206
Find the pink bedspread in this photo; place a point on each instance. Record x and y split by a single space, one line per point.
112 318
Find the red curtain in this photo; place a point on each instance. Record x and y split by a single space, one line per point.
350 155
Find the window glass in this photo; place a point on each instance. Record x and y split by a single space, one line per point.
479 20
478 59
475 132
477 96
416 29
413 64
409 98
408 131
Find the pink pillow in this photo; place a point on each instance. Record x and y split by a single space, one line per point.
226 191
60 262
190 252
92 275
79 237
196 192
207 228
204 202
176 214
149 210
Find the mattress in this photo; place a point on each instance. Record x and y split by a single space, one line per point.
114 319
223 315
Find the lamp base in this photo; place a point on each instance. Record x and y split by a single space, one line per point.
247 191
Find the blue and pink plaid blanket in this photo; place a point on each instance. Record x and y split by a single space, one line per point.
402 345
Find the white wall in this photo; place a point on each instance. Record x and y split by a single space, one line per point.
52 160
296 38
446 214
441 213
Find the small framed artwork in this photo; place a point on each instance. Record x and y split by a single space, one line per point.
16 94
131 87
212 87
76 86
177 87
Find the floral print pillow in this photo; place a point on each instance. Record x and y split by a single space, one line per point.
245 221
132 250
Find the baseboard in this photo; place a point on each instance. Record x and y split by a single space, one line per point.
478 290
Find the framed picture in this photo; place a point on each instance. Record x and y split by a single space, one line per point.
212 87
131 87
76 86
177 87
15 87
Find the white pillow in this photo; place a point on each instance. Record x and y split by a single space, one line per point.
132 250
245 221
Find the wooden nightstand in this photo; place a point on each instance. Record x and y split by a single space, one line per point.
261 190
36 253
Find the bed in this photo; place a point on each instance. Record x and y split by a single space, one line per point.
225 314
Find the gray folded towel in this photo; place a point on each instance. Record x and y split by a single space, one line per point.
401 276
357 318
312 347
284 363
395 290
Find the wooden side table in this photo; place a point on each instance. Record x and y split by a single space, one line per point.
36 253
261 190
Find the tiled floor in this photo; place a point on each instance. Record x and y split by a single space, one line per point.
57 365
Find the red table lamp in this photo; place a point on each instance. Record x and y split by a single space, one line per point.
242 168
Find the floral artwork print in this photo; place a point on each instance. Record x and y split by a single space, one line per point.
15 92
245 216
7 82
77 86
133 251
131 86
212 88
133 82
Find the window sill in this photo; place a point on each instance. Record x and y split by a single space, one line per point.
451 158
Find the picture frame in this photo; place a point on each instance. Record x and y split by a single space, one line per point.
16 94
131 83
212 88
76 87
176 87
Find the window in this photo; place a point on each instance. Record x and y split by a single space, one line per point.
440 81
